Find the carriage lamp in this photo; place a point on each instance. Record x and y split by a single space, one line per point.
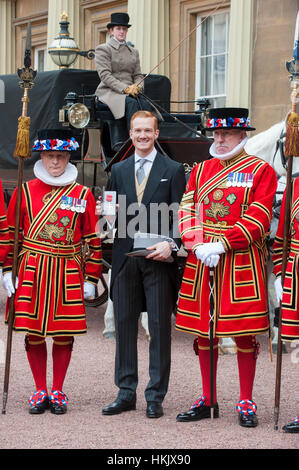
64 49
78 115
293 68
203 104
73 112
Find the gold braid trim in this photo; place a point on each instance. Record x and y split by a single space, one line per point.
246 350
206 348
62 343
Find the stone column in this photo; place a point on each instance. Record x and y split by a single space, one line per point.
72 9
7 39
239 70
150 33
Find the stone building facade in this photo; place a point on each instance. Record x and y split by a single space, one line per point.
232 51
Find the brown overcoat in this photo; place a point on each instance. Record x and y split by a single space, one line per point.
118 66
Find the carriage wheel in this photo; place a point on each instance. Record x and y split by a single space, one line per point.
101 296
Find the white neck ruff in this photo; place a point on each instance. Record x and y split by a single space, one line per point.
228 155
68 177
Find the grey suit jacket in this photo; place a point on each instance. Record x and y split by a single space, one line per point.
118 66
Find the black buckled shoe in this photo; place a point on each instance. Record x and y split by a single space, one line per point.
199 410
154 409
58 402
292 427
246 413
118 406
38 402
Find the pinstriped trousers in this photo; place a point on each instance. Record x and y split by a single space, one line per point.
143 285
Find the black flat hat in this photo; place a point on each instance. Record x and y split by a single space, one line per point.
228 118
61 134
119 19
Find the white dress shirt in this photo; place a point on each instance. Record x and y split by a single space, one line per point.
149 161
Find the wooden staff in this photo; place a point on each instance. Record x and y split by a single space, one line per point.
291 150
211 338
284 264
22 151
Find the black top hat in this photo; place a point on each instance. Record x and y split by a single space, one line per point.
61 140
228 118
119 19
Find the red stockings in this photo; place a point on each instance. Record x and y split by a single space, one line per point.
246 358
36 349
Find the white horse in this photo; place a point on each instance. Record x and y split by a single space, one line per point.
269 145
266 146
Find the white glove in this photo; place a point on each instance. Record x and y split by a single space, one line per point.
207 249
212 261
89 290
278 289
8 284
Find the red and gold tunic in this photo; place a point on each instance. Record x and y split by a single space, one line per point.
229 201
59 249
290 298
4 234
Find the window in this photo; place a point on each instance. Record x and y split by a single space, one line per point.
211 58
39 59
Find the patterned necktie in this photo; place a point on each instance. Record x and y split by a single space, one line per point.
140 174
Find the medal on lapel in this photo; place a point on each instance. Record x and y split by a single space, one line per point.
73 208
78 205
250 177
68 202
235 179
229 180
239 180
63 203
83 205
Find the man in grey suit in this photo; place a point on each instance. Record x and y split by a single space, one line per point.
144 283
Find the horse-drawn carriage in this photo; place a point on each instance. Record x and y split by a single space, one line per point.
66 98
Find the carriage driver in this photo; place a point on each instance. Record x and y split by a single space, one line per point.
224 217
118 66
57 219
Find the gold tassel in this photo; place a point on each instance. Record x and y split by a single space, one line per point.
292 127
292 135
23 141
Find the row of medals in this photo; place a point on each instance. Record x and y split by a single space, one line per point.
244 180
73 204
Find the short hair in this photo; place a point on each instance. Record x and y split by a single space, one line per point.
144 114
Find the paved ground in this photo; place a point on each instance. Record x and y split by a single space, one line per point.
90 386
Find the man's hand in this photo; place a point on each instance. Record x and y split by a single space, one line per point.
278 289
89 290
162 251
8 284
99 206
206 250
99 211
212 261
